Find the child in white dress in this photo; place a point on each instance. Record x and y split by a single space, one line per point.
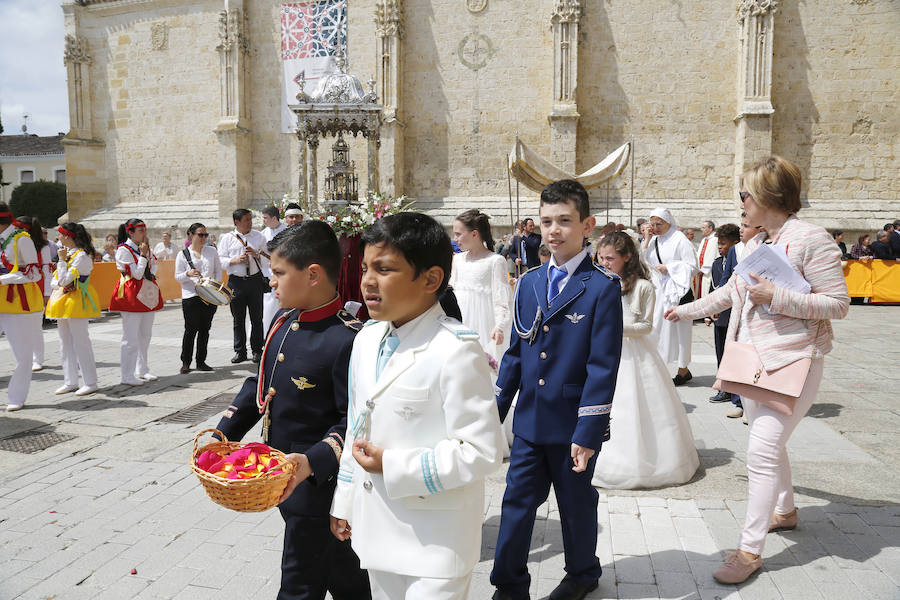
479 280
651 443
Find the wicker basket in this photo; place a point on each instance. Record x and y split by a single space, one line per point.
243 495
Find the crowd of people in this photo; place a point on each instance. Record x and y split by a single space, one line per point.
563 339
885 246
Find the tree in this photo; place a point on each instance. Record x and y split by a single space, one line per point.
45 200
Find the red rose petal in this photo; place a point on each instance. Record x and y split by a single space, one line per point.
134 571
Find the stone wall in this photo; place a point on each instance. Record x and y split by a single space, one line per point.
664 72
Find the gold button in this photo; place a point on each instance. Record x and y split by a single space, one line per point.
546 328
540 382
271 391
543 355
295 326
280 357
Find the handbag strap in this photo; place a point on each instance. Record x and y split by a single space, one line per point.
656 245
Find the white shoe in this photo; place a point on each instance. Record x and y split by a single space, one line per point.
13 407
65 389
86 389
132 383
36 366
148 377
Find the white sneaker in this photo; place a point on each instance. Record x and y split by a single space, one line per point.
148 377
132 382
13 407
36 366
65 389
86 389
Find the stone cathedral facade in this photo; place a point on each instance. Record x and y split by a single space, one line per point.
175 104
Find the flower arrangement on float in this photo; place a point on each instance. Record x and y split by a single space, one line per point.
353 219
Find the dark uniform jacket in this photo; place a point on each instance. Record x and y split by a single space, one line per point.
563 358
305 362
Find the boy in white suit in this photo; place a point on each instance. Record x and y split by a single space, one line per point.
422 422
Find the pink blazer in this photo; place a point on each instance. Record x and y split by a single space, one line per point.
799 325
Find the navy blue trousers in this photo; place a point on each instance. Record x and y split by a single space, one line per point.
315 561
532 469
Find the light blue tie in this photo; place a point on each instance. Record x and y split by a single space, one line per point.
556 276
388 345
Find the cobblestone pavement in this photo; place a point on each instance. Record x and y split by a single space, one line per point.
116 495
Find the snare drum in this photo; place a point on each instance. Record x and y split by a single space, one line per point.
213 292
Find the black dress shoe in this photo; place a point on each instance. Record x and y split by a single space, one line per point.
721 396
569 589
257 356
204 367
682 379
501 595
185 369
239 357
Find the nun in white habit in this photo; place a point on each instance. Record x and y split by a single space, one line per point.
673 262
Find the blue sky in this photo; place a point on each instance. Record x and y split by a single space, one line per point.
32 74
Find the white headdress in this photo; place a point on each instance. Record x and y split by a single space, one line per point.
665 215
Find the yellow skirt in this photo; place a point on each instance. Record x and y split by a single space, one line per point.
16 297
73 305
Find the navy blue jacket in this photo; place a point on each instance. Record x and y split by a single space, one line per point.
722 269
531 243
563 358
310 355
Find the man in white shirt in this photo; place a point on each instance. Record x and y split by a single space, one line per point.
239 253
165 250
706 255
293 214
273 226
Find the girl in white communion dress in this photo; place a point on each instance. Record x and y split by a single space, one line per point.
651 443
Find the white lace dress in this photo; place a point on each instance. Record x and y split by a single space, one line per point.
483 292
651 443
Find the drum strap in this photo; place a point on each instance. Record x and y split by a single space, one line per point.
187 255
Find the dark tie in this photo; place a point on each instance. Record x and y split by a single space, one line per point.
556 277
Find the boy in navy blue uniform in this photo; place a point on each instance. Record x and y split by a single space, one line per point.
728 236
563 362
301 395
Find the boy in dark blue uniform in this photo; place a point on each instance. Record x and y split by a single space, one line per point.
301 395
563 363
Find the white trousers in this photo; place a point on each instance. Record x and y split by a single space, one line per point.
137 328
270 307
768 467
22 330
390 586
38 350
76 352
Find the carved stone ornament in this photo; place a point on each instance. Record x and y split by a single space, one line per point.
567 11
476 6
224 38
389 18
755 8
159 36
233 31
475 50
76 50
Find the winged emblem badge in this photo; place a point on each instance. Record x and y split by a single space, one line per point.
302 383
575 317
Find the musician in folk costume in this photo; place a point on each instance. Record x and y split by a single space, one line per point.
21 300
137 298
196 261
673 262
73 300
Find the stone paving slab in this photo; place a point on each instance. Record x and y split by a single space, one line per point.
77 517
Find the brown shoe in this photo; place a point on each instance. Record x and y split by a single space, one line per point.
784 522
737 567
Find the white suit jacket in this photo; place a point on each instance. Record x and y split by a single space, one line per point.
433 411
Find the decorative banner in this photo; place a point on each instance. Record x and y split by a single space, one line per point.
311 33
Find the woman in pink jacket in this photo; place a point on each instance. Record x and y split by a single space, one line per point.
795 326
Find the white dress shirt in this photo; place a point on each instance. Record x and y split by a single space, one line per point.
207 262
230 246
269 233
570 266
164 252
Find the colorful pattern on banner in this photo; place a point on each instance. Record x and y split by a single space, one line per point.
311 33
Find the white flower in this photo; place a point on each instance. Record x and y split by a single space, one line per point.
331 218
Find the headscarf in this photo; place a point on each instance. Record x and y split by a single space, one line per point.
665 215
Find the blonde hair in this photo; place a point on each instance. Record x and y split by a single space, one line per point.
774 182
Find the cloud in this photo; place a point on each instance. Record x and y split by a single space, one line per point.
32 74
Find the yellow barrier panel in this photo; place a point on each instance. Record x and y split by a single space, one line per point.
105 275
875 279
